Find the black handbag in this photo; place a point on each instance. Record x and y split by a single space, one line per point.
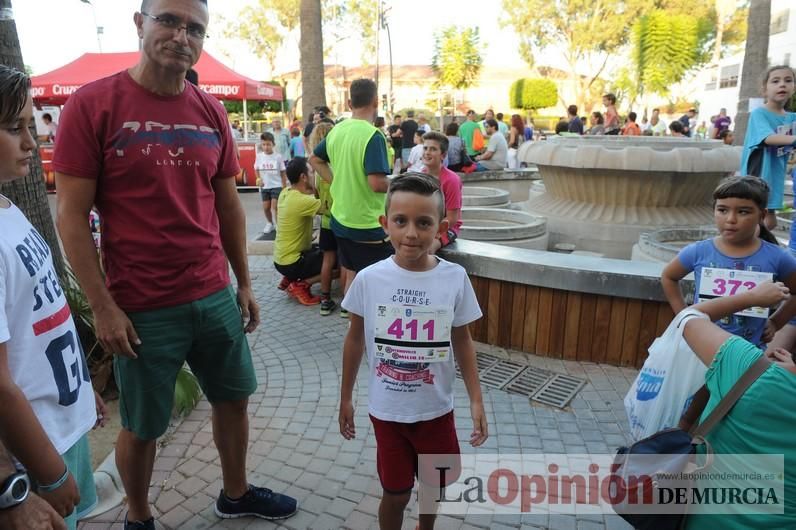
679 445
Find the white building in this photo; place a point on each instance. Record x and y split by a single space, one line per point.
718 87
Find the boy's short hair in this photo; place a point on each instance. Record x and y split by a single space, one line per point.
440 138
499 116
724 134
267 137
363 93
572 110
632 116
420 132
396 116
14 86
295 168
677 126
410 114
452 129
419 183
295 131
610 97
492 123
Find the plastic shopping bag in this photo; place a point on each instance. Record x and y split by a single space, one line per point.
666 383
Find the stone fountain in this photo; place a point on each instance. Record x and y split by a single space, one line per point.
602 192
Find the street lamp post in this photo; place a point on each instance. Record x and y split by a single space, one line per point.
98 28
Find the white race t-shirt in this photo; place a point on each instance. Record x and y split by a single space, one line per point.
409 314
415 160
269 168
44 352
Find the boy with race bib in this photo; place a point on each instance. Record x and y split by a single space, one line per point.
743 255
410 313
48 404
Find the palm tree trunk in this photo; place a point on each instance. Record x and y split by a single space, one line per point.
311 50
29 193
755 62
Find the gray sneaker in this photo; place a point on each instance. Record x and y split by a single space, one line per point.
327 306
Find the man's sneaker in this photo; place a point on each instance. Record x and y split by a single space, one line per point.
284 284
257 502
268 228
149 524
327 306
301 292
343 313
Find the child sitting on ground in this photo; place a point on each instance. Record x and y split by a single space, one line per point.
410 400
295 257
270 167
435 147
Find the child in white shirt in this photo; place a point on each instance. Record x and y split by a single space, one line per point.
410 313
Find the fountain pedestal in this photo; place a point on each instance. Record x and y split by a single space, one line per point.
601 193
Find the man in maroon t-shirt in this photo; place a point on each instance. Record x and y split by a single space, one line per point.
156 156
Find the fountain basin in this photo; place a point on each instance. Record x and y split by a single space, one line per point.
483 197
663 245
504 227
601 193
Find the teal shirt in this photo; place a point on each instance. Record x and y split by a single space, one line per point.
761 422
768 161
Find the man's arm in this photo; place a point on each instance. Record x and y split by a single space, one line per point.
353 349
76 196
705 337
34 513
322 167
232 228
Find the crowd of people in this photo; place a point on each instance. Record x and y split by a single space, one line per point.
388 201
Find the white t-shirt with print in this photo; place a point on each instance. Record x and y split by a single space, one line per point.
44 352
411 311
269 168
415 160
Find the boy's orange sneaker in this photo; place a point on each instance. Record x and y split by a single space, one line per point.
284 284
301 292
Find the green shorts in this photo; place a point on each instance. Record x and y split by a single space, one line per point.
208 335
78 461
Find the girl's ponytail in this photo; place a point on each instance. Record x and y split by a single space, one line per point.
766 235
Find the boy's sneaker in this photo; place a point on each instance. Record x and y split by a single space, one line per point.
343 313
284 284
257 502
327 306
149 524
301 292
268 228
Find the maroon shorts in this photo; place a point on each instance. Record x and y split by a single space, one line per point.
399 444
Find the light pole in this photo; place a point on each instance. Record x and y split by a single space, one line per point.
384 24
99 28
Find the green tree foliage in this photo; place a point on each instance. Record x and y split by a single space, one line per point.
264 25
457 58
666 46
533 94
586 32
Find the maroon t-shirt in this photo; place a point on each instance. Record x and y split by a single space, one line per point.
154 159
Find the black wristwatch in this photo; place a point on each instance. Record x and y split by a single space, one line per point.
14 490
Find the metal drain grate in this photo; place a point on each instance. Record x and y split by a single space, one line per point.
537 384
484 361
559 390
501 373
529 381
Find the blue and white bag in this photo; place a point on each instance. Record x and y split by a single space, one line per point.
666 383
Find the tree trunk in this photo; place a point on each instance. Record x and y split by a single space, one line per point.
755 62
311 50
29 193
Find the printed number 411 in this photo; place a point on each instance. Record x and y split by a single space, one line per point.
398 327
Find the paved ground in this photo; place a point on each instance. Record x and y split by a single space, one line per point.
296 447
